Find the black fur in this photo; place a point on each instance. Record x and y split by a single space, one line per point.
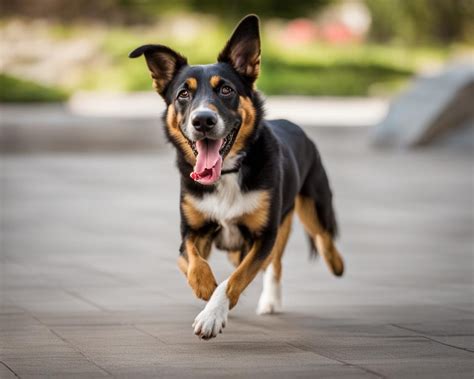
278 156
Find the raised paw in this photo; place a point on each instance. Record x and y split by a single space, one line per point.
209 323
201 280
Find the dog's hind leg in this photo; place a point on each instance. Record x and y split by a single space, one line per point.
270 299
322 237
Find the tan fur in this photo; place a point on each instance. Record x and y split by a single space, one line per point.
199 273
157 83
164 74
244 274
183 265
279 247
252 66
194 217
215 79
234 257
172 124
213 107
192 83
249 267
248 114
258 219
306 210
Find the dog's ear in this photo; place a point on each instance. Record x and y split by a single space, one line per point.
163 62
242 50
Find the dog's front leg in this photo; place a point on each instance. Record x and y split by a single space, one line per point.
213 318
194 266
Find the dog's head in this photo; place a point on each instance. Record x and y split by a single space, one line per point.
212 110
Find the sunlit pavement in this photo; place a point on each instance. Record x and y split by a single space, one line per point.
90 287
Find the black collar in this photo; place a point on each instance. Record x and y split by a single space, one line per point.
231 170
236 168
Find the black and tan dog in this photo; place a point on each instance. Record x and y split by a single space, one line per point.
241 176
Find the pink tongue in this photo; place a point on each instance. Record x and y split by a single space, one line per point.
207 159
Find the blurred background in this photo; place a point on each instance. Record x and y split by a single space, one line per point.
89 194
310 47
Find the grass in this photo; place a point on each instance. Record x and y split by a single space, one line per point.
338 79
13 89
314 69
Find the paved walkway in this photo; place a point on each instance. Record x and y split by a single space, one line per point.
89 285
114 122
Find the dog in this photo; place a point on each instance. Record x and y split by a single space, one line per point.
242 177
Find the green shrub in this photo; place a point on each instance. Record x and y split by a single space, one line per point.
13 89
422 21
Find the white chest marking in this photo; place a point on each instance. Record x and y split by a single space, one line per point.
228 202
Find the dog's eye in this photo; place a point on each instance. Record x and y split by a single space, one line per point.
183 94
226 90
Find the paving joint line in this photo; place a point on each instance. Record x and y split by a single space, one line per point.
432 339
79 351
147 333
75 348
82 298
369 371
10 369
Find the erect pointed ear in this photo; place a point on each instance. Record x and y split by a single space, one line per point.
242 50
163 62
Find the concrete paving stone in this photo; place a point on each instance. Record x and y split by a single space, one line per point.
292 371
462 342
23 276
461 327
219 356
41 300
369 348
6 372
177 312
384 313
380 354
54 364
124 298
88 272
106 336
177 333
427 368
29 348
17 321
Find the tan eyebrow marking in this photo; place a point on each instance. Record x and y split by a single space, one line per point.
192 83
215 79
213 107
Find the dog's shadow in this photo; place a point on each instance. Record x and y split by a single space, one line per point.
275 333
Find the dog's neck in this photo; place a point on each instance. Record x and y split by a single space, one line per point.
235 166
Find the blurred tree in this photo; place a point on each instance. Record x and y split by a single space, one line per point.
144 10
109 10
422 21
265 8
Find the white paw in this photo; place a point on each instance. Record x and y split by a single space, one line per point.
213 318
268 304
270 299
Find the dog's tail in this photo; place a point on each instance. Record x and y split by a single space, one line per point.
316 212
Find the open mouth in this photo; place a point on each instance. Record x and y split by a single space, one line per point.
209 155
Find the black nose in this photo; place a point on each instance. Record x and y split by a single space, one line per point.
203 121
